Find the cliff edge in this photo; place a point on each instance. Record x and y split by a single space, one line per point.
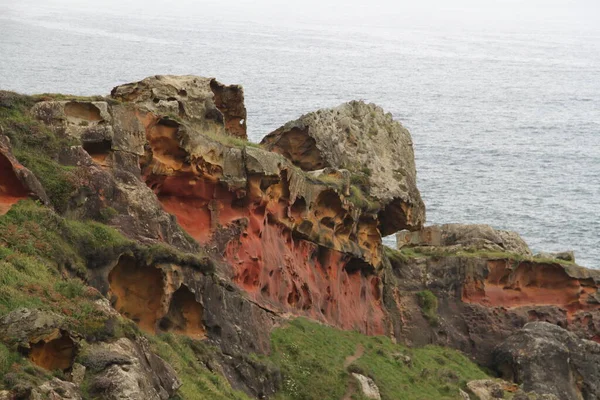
149 251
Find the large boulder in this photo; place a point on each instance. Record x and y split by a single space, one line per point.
367 141
548 359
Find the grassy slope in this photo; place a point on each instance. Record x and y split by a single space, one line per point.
311 357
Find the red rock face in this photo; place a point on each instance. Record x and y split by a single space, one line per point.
303 278
279 271
530 284
11 189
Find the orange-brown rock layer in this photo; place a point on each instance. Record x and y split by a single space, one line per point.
11 188
531 284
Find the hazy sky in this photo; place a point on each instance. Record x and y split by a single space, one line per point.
419 13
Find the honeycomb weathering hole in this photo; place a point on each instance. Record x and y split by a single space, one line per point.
11 188
299 147
82 111
185 315
56 354
137 292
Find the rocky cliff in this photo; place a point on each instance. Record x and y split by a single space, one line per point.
148 250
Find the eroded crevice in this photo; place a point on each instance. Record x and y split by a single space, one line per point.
11 188
300 148
229 100
54 354
185 315
137 292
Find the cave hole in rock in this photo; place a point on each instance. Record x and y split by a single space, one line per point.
55 354
355 265
137 292
298 208
11 188
185 315
393 217
98 150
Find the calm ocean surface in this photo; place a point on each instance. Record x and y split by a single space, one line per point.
506 123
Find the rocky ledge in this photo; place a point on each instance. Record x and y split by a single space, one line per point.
148 250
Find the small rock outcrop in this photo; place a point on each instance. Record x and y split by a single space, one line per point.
548 359
367 386
128 370
465 237
202 103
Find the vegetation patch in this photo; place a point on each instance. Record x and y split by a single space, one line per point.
37 147
311 357
429 305
189 358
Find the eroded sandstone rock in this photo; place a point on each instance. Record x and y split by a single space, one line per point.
482 300
204 103
361 138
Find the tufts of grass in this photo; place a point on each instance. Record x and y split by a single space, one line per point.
429 305
228 140
362 200
311 357
7 359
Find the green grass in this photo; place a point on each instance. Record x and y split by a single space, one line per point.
189 357
362 200
429 305
311 357
34 230
7 359
37 147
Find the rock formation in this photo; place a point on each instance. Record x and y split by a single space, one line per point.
550 360
364 139
156 234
